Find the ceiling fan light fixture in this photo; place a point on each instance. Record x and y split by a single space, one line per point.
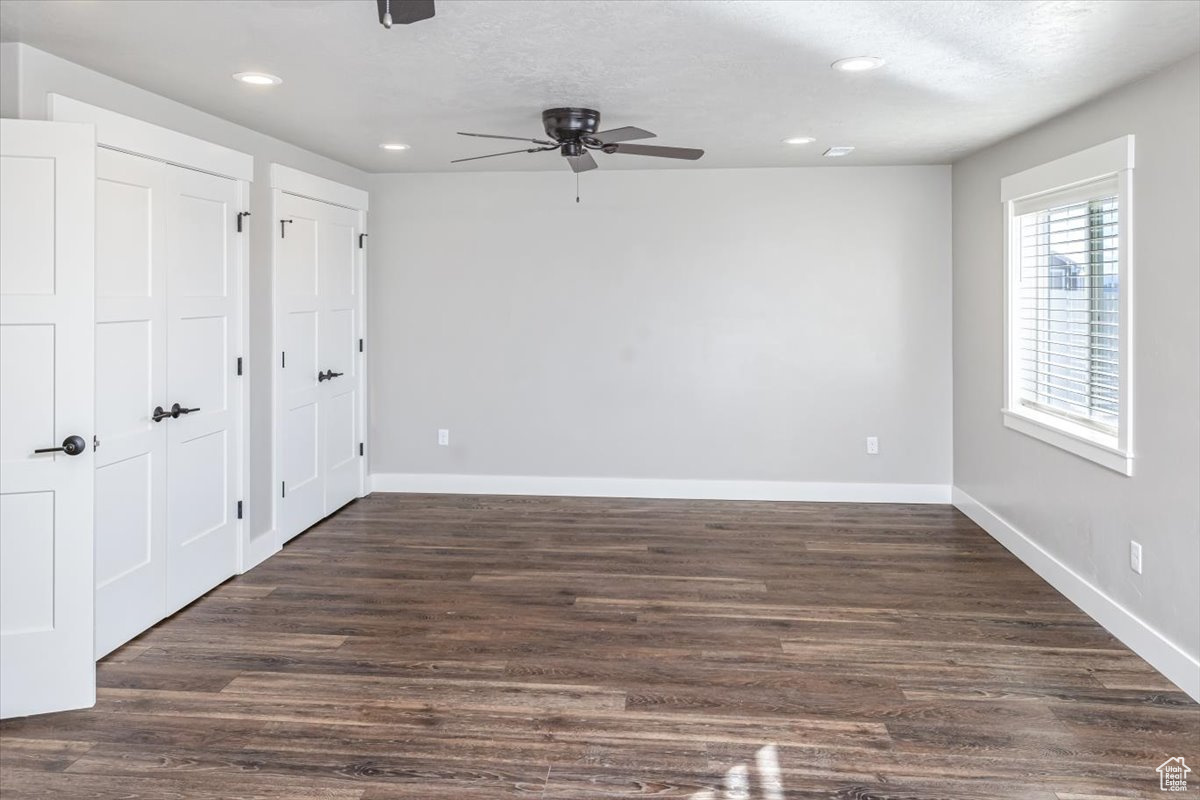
858 64
258 78
799 140
838 152
393 146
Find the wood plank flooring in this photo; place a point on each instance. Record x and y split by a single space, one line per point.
418 646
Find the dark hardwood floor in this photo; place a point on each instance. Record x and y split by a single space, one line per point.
489 647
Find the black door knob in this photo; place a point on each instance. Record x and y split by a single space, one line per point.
176 410
72 446
159 415
331 375
321 377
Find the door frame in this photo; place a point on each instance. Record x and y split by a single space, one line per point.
287 180
115 131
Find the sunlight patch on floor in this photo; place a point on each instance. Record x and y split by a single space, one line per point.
737 779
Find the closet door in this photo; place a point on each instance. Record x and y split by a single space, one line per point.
202 335
337 265
317 296
298 445
130 381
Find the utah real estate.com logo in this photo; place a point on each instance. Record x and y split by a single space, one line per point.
1172 775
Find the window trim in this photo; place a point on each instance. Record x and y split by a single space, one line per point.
1108 160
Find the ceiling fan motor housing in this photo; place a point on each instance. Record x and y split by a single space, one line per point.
570 124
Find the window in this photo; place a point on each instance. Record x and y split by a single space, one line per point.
1068 289
1068 293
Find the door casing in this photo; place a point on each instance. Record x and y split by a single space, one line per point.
135 137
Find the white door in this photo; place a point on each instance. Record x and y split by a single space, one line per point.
317 300
131 380
167 330
47 192
202 348
337 265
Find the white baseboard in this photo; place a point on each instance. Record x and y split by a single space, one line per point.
258 549
661 488
1164 655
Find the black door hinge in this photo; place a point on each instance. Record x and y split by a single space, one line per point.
360 448
239 365
283 359
239 509
283 489
361 236
282 227
360 345
239 219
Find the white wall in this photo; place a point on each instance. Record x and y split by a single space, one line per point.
745 325
1080 513
38 73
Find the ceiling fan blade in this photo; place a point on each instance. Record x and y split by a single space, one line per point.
582 162
628 133
513 138
689 153
404 12
493 155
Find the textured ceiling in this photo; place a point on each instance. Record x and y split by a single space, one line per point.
732 77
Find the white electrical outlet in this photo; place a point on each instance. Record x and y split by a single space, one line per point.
1135 557
444 437
872 445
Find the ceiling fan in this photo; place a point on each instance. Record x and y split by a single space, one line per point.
572 132
403 12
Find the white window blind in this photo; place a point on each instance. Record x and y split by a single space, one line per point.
1069 284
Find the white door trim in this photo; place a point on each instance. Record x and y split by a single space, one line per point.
293 181
141 138
137 137
247 557
288 180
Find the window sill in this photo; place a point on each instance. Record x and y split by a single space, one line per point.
1092 445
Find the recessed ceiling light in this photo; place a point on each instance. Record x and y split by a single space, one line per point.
799 140
858 64
258 78
838 152
394 146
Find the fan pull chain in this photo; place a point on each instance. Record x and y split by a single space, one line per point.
576 187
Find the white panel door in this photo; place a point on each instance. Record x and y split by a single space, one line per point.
317 299
203 325
297 311
131 381
337 266
47 192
